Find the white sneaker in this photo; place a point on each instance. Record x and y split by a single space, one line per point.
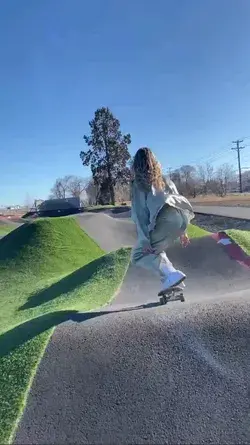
173 279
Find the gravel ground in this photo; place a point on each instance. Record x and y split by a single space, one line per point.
219 223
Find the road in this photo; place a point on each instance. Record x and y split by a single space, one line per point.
137 372
234 212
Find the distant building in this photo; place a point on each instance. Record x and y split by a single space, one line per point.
59 204
54 207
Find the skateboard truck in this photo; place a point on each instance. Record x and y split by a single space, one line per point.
173 293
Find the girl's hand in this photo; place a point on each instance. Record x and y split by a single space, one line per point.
184 240
147 250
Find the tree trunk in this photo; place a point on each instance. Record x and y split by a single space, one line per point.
111 186
112 194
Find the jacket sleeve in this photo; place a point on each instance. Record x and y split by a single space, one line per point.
172 187
180 202
140 214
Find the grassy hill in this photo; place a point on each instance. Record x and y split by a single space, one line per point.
49 269
47 245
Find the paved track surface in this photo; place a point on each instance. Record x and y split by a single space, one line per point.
233 212
138 372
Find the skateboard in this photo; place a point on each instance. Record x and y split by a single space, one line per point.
174 293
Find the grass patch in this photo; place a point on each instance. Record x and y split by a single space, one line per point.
241 237
99 207
49 270
196 231
6 228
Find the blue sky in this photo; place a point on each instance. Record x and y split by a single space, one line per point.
175 72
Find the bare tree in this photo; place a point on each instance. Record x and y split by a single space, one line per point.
224 175
122 192
187 172
76 186
188 177
91 192
205 178
210 171
60 188
246 180
67 186
191 181
175 176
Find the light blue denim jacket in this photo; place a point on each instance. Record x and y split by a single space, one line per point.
146 206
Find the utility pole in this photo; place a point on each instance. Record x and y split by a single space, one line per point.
238 148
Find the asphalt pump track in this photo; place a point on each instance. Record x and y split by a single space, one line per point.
139 373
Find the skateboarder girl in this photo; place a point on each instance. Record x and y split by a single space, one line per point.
161 215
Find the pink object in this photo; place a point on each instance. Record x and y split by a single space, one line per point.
233 249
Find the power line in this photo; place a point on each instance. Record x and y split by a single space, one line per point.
209 158
238 148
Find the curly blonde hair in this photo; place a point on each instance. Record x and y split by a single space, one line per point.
147 171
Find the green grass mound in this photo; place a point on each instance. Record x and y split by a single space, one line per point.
47 245
196 231
241 237
99 207
49 270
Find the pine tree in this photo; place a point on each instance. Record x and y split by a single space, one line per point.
108 154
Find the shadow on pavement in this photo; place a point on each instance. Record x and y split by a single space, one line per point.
24 332
17 336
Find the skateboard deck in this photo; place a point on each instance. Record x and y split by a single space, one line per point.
174 293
